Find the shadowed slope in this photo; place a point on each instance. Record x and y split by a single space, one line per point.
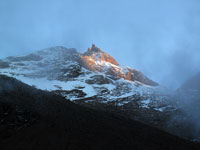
59 124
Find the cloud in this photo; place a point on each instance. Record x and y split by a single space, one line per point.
152 36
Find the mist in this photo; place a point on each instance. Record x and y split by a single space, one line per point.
159 38
185 122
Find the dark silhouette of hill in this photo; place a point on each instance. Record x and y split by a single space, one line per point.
32 119
192 83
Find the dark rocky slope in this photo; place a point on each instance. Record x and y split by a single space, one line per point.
33 119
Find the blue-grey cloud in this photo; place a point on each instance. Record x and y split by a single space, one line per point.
160 38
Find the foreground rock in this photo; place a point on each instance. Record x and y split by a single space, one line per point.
53 123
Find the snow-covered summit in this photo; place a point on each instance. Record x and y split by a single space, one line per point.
96 54
97 60
91 76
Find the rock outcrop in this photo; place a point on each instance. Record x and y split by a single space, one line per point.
97 60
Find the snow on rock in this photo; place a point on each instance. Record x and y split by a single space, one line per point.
145 103
61 70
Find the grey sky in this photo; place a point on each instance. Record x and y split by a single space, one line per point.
159 37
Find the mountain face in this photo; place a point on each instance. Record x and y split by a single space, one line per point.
34 119
69 61
96 60
83 77
95 79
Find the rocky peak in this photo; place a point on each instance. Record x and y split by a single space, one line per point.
94 48
95 54
65 64
97 60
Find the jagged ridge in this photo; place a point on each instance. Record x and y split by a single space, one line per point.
97 60
63 70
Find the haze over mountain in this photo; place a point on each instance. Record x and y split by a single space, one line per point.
193 83
137 88
160 38
189 97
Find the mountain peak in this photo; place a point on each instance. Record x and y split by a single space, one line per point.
94 48
97 60
95 56
67 63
